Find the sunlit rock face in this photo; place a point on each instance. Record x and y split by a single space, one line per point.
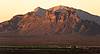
63 19
58 19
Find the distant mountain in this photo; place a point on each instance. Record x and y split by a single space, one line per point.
58 19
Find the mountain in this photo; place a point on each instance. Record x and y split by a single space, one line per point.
58 19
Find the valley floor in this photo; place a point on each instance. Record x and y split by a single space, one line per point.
51 40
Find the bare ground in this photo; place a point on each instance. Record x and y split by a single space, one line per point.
72 39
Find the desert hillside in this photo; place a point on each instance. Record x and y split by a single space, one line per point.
58 19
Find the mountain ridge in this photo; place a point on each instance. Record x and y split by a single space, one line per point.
58 19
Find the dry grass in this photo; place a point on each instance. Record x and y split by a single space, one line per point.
60 39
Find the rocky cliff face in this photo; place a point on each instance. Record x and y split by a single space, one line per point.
58 19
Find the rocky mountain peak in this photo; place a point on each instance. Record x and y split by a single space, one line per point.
62 9
39 11
63 19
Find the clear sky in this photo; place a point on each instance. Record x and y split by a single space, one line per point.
9 8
